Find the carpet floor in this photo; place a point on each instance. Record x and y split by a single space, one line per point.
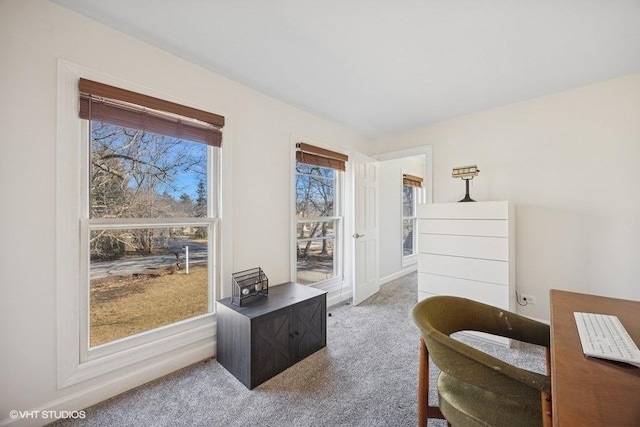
366 376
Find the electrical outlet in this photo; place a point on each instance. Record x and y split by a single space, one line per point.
528 299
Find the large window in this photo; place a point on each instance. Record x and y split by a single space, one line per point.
149 216
318 214
410 186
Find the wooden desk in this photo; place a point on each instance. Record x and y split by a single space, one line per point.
588 391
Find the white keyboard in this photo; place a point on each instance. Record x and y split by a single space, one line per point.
604 336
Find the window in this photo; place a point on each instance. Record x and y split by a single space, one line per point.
319 218
410 184
149 215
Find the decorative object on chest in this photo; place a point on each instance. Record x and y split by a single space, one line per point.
248 286
466 173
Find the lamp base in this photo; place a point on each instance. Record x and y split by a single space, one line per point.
467 198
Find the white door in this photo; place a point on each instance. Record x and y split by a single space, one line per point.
366 228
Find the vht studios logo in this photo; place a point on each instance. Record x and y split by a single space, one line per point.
51 415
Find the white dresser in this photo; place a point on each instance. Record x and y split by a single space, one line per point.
467 250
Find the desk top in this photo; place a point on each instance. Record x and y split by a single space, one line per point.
589 391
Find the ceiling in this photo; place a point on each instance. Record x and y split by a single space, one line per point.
380 66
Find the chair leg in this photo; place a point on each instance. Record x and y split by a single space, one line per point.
424 410
547 413
547 419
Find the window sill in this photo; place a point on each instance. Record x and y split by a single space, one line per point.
78 372
409 260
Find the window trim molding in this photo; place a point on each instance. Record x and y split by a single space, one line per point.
70 369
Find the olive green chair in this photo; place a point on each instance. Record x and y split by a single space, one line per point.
474 388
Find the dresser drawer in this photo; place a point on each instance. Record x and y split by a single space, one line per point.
471 227
482 210
495 248
481 270
488 293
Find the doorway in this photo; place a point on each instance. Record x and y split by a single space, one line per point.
398 202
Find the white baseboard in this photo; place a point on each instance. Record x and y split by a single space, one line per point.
398 274
119 384
341 292
338 298
336 292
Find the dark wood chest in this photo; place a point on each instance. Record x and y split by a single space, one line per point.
257 341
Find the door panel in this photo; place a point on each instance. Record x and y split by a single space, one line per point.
367 228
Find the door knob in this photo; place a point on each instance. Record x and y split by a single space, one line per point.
358 235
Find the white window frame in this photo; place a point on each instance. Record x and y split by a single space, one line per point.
412 258
88 224
338 217
76 362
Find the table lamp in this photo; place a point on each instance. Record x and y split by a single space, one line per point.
466 173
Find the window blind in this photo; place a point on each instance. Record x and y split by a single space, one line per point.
316 156
125 108
412 180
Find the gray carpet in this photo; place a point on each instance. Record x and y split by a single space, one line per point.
366 376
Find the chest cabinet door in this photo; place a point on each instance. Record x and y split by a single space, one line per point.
271 345
308 327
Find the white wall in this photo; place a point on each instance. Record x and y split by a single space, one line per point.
569 162
391 212
256 162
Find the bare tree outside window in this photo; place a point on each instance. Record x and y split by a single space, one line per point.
316 214
408 220
138 277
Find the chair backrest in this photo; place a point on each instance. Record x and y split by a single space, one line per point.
439 317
